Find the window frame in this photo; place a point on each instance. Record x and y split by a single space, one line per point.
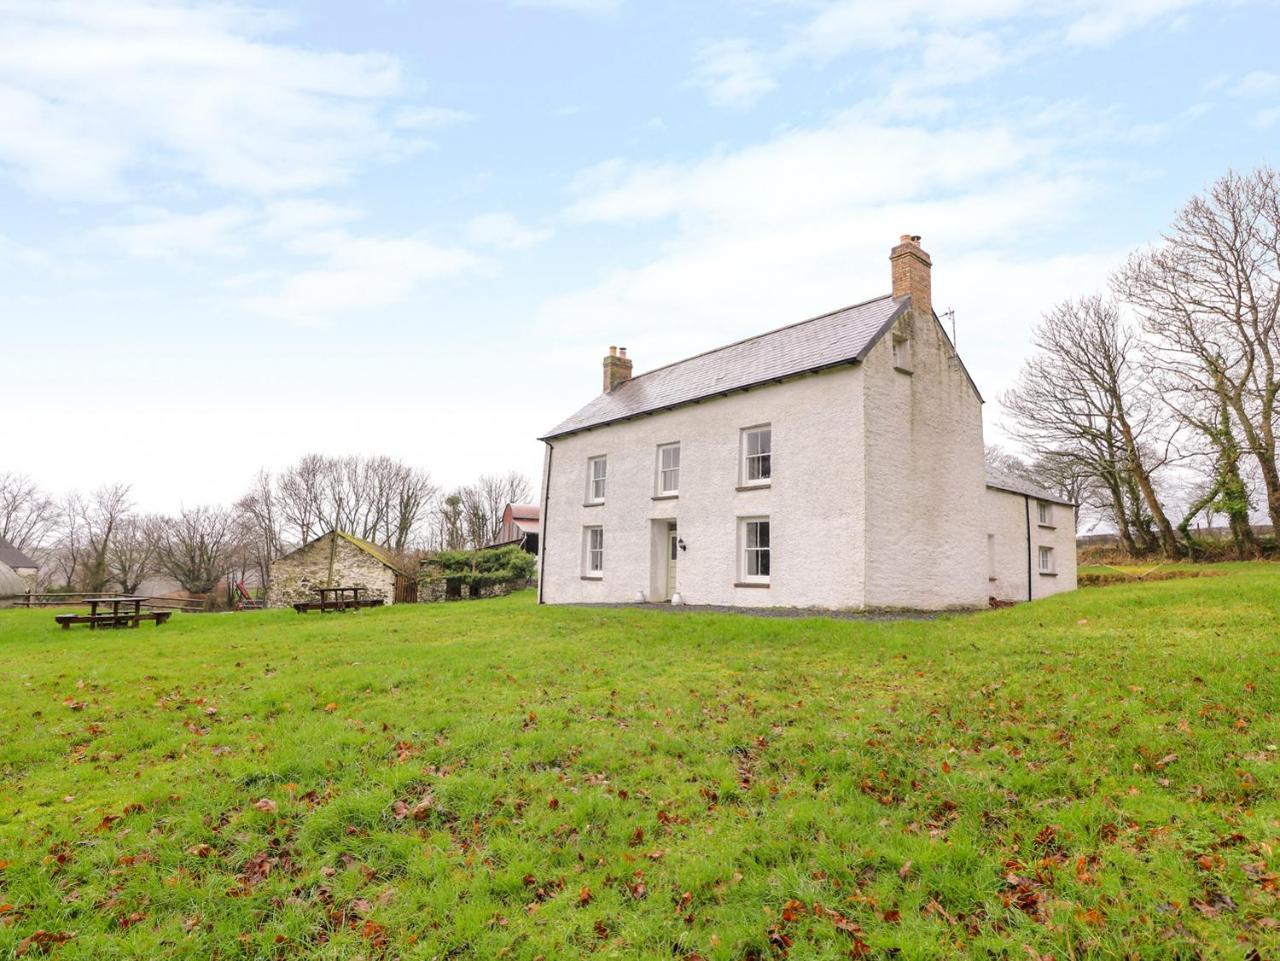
592 479
1044 553
658 479
744 456
745 550
589 532
1044 513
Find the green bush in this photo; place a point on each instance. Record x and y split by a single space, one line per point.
479 572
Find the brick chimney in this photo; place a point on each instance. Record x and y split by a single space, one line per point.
617 368
911 268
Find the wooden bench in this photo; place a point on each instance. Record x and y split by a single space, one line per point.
124 619
303 606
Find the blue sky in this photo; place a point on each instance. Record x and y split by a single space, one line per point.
240 233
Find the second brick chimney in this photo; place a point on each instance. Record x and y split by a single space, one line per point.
911 269
617 368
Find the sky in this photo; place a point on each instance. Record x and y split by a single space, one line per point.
234 234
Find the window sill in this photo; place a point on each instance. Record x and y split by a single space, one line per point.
764 584
1048 573
593 504
754 487
904 370
592 577
665 497
1047 527
993 579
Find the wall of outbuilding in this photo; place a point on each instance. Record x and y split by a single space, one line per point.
1010 519
295 577
815 502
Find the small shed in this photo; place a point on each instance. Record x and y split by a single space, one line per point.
521 525
339 559
18 562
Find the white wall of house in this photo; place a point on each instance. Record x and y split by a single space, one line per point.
925 472
1010 518
815 501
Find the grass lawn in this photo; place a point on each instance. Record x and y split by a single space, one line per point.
1094 775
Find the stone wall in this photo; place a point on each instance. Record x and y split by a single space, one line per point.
295 577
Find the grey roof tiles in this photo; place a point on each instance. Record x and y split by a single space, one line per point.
841 337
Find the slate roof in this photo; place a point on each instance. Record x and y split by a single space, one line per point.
843 336
380 554
11 582
1013 484
13 557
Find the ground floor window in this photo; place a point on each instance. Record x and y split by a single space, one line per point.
593 551
1046 560
755 550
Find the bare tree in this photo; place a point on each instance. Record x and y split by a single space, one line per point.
484 502
88 527
131 554
197 546
261 523
1209 295
1080 398
28 515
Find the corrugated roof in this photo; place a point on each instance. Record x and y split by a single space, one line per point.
841 337
1012 483
527 512
13 557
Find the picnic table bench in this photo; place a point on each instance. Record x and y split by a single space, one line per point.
126 611
336 599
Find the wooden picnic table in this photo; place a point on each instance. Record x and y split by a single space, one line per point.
336 599
126 611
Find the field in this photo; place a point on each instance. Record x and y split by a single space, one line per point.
1094 775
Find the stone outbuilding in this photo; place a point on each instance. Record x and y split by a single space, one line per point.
339 559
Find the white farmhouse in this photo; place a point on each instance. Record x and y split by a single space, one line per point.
833 463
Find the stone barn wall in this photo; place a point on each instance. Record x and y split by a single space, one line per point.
295 577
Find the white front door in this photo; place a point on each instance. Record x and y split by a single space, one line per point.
673 550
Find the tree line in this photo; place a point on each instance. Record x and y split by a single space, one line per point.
1153 403
100 540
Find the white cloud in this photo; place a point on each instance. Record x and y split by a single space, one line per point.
803 222
356 274
574 6
733 73
503 231
93 93
163 235
430 118
935 44
1259 83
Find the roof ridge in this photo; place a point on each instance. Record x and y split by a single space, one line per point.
766 333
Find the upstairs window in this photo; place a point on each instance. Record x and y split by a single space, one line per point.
757 455
1046 560
755 550
596 467
593 551
1045 510
669 469
901 352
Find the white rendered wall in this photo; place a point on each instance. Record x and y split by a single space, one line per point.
925 477
1007 516
815 503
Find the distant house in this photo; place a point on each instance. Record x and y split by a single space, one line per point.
836 462
521 524
18 562
339 559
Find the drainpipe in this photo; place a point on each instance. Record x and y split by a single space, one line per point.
1027 503
542 536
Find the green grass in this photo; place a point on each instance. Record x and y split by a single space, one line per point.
1094 775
